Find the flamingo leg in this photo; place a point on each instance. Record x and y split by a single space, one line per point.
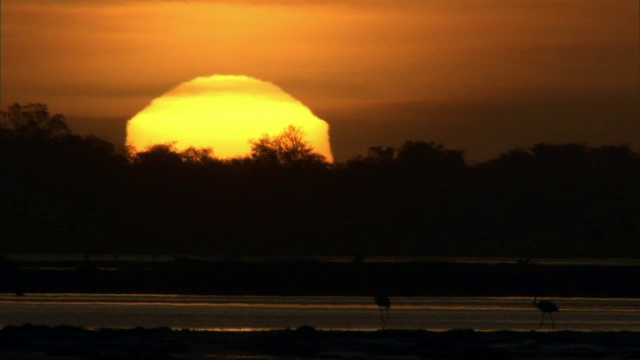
386 320
553 325
542 319
381 317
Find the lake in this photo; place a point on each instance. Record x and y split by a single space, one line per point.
328 313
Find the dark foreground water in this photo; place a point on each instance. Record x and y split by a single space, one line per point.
107 258
327 313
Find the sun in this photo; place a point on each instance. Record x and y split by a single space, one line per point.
224 112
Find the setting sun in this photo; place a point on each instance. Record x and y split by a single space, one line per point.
224 112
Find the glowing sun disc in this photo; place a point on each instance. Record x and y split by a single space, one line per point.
224 112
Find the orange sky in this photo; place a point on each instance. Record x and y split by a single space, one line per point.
479 75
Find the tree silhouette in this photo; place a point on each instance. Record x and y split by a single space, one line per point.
60 192
158 158
198 157
34 119
434 157
288 149
49 180
378 158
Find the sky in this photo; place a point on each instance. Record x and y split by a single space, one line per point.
483 76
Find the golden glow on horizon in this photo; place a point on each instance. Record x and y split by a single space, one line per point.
224 112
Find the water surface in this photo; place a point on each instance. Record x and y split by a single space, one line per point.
322 312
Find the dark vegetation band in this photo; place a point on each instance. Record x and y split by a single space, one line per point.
63 193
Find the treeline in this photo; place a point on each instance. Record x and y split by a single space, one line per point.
60 192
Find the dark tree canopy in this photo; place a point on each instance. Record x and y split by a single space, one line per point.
430 156
288 149
34 119
60 192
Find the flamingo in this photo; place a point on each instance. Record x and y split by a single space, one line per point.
546 306
383 302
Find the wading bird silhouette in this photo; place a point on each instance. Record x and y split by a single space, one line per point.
383 302
547 307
